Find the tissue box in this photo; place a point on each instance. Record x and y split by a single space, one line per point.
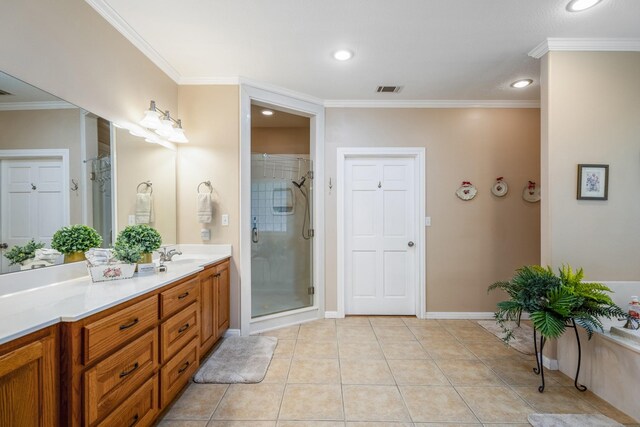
103 273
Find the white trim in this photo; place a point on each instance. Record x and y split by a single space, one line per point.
232 80
232 333
84 176
39 105
63 154
585 45
268 87
315 111
123 27
470 315
419 156
332 315
114 182
550 364
430 103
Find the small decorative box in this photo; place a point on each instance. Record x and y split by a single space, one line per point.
103 273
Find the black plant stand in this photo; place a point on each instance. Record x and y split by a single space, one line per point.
539 369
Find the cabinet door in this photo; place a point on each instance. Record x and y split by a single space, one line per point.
222 299
208 329
28 382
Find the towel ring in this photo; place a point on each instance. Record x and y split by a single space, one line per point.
149 186
207 184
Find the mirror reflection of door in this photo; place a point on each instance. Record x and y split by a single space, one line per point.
31 203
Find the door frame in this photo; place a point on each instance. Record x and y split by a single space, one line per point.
418 154
315 112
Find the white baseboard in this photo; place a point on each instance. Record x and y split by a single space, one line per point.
232 333
550 364
459 315
332 315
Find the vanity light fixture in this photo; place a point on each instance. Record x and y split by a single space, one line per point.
267 113
580 5
163 124
343 55
519 84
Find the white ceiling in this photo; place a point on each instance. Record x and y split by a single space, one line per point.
435 49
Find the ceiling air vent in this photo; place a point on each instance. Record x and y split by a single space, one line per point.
388 89
2 92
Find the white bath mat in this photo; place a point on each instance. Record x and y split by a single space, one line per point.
571 420
238 360
522 339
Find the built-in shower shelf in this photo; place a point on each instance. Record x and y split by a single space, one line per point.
630 334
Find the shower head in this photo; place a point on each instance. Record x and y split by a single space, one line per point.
300 183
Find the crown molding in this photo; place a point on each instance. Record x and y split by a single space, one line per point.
281 90
38 105
185 81
118 22
426 103
585 45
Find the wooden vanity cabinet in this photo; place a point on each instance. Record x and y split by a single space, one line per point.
29 380
214 304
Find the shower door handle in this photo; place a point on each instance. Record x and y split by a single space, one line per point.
254 235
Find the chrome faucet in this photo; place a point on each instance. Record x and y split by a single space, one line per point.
167 256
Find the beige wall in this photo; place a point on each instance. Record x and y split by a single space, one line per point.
591 107
470 244
139 161
47 129
66 48
276 140
211 115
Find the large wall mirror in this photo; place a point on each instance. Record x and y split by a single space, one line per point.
62 165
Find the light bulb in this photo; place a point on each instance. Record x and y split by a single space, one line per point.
151 119
519 84
343 55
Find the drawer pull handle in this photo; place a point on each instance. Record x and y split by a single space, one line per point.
135 420
183 328
217 275
128 325
125 373
183 296
183 367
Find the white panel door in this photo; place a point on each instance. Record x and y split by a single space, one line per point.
31 202
380 221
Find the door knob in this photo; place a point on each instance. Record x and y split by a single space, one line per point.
411 244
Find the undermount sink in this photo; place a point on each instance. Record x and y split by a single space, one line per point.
630 334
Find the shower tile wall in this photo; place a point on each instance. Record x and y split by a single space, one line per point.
265 196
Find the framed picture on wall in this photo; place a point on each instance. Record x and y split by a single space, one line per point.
593 182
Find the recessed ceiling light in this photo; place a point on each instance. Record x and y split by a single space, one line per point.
519 84
343 55
267 113
580 5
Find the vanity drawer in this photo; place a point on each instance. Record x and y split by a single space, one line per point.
178 330
109 332
177 372
115 378
179 297
139 410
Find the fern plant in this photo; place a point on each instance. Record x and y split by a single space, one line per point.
552 301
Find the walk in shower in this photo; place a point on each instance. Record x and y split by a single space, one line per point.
282 233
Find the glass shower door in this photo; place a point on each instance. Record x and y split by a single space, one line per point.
282 233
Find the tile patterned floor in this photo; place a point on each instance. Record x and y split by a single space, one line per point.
386 371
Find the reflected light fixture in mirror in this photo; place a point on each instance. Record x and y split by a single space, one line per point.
165 126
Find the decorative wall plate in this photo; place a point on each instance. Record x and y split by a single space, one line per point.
500 188
531 192
467 191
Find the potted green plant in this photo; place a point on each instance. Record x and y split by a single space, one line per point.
553 301
19 254
141 235
73 241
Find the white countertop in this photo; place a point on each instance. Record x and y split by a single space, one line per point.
32 309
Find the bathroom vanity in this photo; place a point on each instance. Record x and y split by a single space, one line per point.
118 353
